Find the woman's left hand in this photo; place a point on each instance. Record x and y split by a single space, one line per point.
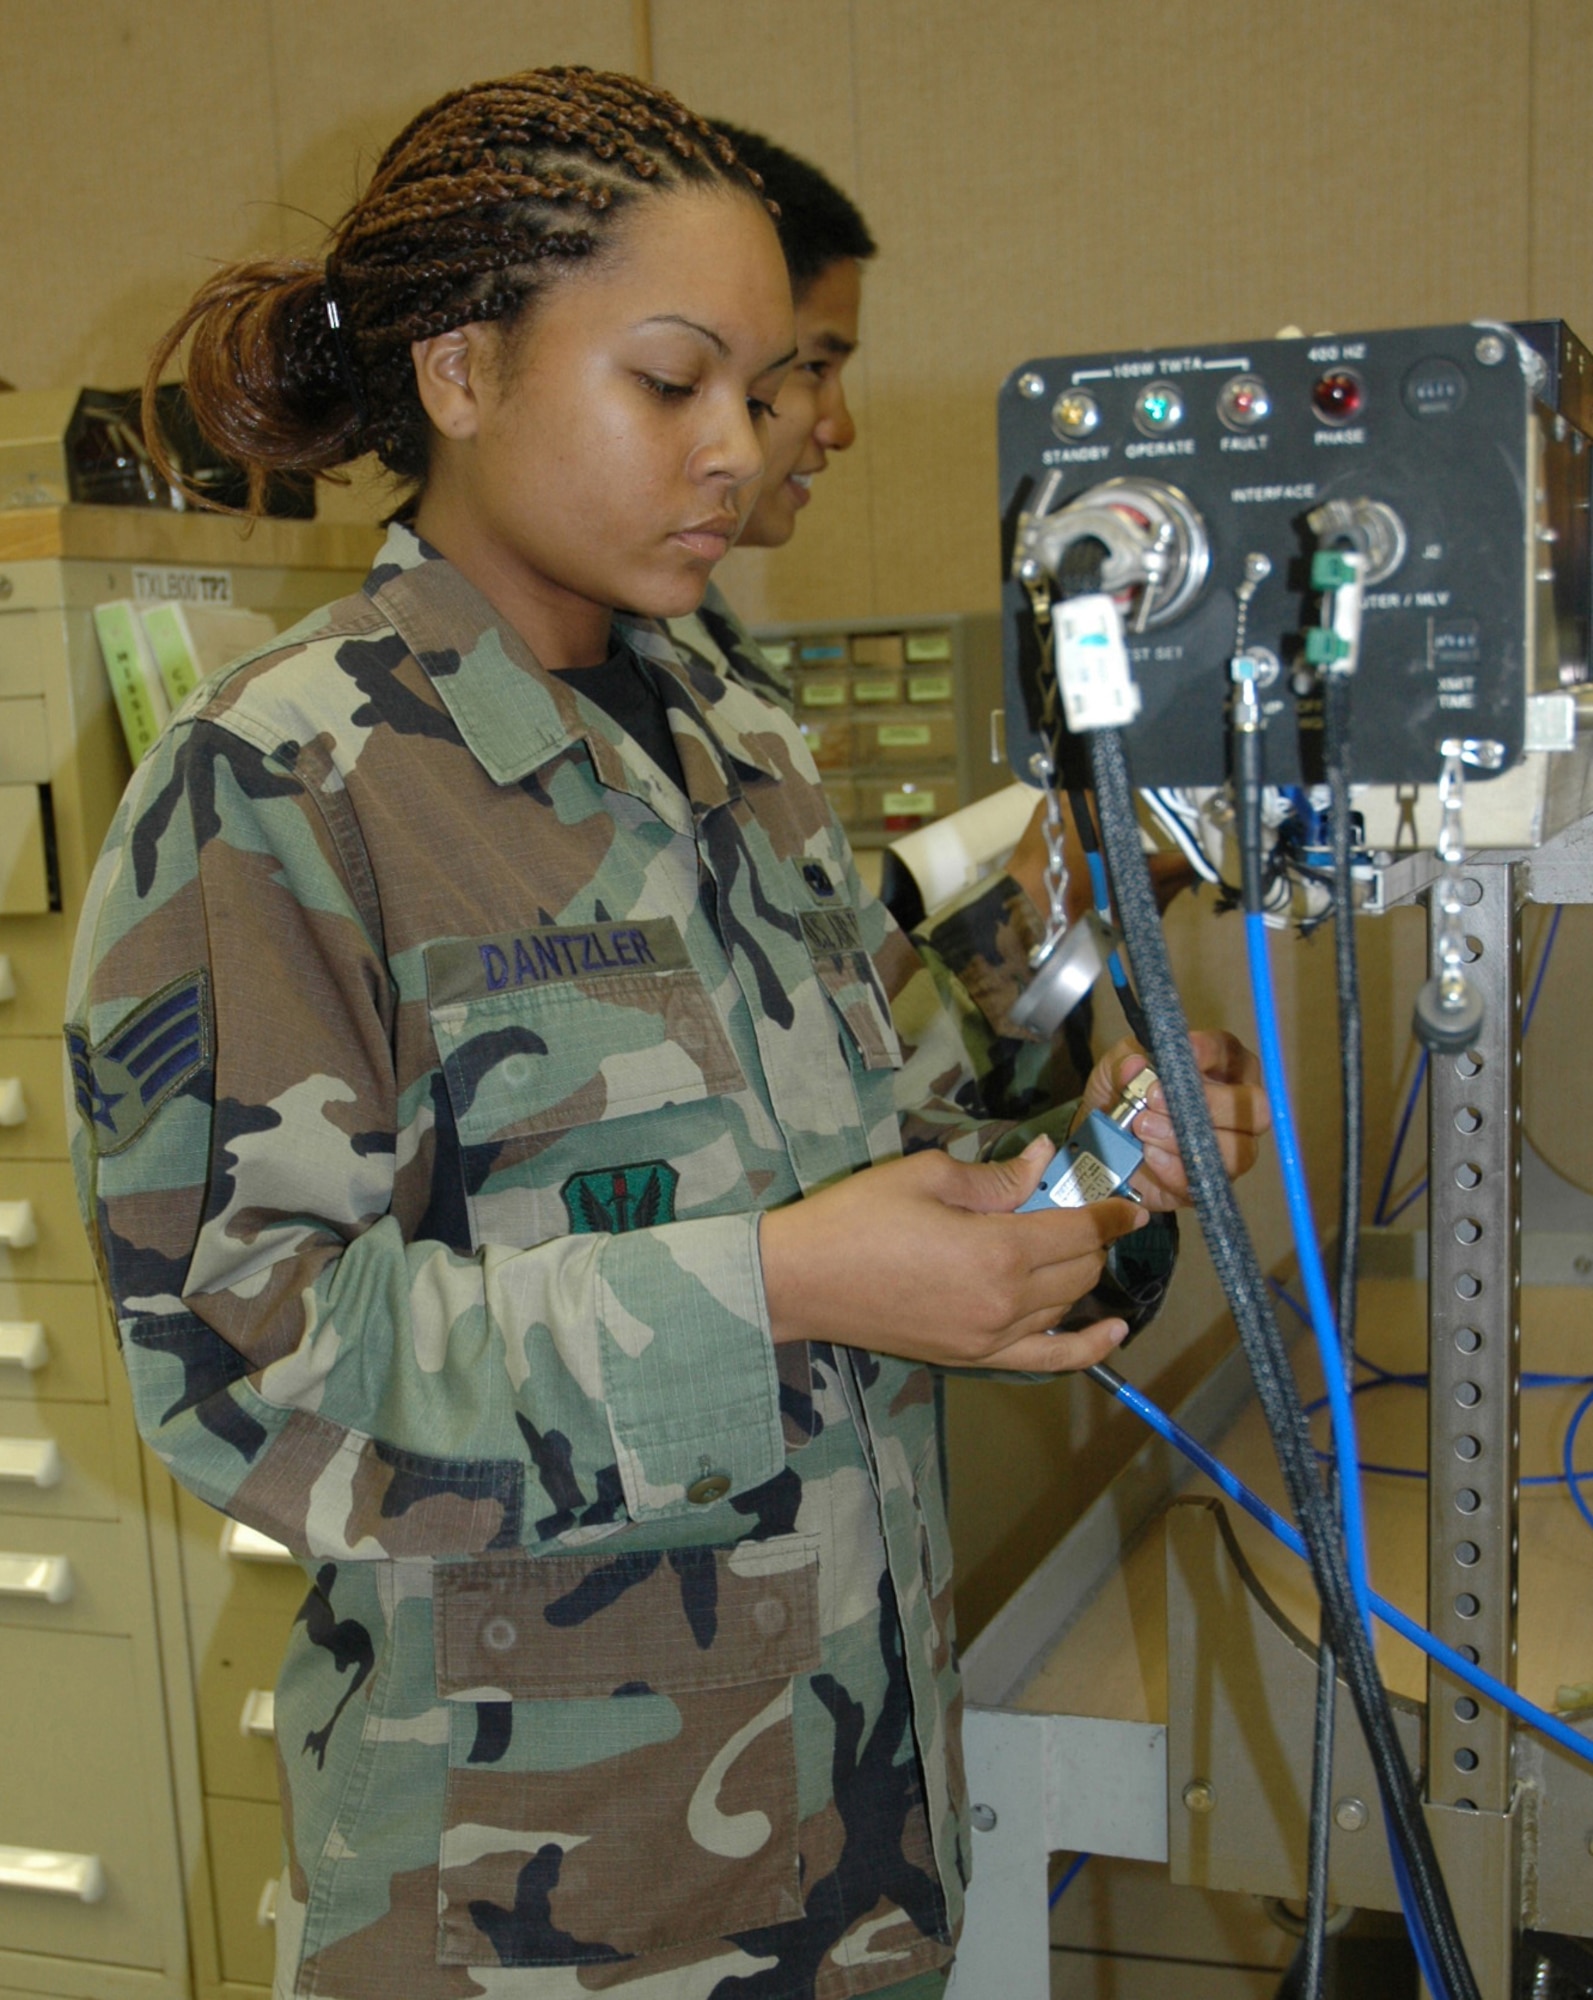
1238 1104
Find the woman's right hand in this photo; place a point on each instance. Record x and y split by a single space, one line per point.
924 1259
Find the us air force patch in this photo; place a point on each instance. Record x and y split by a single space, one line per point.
613 1200
122 1084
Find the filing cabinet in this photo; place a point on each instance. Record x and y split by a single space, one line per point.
139 1830
901 714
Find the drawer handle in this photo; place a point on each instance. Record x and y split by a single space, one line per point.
265 1914
13 1105
259 1716
19 1228
248 1545
23 1345
78 1875
8 978
48 1578
30 1462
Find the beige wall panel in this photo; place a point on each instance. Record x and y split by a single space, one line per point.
137 137
161 141
788 73
348 77
1562 162
1069 180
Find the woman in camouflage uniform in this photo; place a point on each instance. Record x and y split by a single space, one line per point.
493 1091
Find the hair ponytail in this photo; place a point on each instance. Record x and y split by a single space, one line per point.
300 367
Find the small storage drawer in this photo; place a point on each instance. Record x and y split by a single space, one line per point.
251 1579
39 1193
32 1101
238 1654
78 1785
829 738
906 737
56 1463
35 956
52 1344
245 1842
107 1563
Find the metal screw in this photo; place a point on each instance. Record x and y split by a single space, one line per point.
1200 1796
1350 1814
1582 1266
982 1818
6 587
1490 350
1031 385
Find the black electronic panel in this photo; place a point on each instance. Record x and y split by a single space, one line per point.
1427 447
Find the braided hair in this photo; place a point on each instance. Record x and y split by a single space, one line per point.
299 366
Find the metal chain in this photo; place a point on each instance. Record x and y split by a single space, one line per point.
1451 851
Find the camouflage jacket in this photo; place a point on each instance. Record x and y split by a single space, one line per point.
976 947
433 1055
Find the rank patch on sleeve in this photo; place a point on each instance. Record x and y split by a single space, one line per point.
609 1202
120 1085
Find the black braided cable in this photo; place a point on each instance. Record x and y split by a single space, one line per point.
1239 1272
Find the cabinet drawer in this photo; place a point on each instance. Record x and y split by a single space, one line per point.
109 1567
60 1248
245 1862
35 956
60 1332
82 1773
56 1463
32 1102
239 1653
212 1578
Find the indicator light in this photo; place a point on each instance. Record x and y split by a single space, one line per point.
1158 408
1244 402
1075 413
1338 396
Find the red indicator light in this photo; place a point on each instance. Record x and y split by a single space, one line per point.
1338 396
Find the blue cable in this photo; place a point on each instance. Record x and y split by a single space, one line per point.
1065 1882
1230 1483
1573 1478
1334 1374
1310 1258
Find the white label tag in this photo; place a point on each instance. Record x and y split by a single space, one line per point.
165 585
1083 1180
1098 688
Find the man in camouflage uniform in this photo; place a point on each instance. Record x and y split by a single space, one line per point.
434 1051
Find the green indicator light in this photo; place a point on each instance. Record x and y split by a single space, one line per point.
1157 408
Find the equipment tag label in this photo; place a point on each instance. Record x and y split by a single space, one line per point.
162 584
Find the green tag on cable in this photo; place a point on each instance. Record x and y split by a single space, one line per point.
1323 648
1331 570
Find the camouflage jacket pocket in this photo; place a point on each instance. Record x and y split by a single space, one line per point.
534 1060
622 1774
848 978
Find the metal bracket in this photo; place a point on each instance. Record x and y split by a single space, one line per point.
1241 1696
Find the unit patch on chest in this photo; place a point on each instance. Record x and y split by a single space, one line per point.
611 1201
551 955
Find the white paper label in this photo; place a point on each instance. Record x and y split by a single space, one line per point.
1098 688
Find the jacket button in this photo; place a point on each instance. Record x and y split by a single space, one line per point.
770 1616
712 1486
498 1635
